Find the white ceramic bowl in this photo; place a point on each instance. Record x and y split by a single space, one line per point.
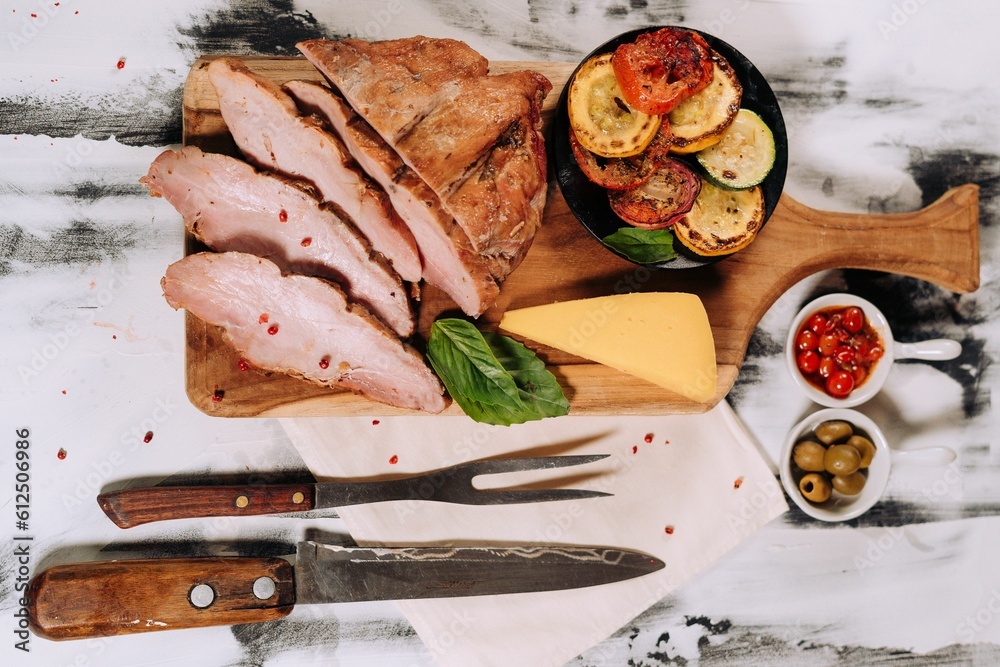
931 350
839 507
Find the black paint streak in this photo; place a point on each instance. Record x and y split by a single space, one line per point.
263 641
92 191
251 27
82 242
149 114
936 170
893 513
751 375
718 628
763 648
807 87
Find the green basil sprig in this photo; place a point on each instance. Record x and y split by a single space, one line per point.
495 379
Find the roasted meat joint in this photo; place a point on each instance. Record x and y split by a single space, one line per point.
412 166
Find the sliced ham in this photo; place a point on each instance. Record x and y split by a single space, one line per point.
229 205
448 144
450 261
269 131
395 83
302 326
474 139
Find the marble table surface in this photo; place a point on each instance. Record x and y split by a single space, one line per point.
887 104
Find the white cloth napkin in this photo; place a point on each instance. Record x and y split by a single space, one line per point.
687 489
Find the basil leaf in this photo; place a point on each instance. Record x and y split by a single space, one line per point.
536 386
646 246
495 380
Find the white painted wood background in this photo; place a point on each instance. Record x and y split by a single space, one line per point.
887 104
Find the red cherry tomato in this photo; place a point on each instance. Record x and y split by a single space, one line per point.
827 344
854 319
827 366
844 354
808 361
817 324
859 373
806 340
839 384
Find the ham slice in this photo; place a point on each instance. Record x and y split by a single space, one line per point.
395 83
270 132
228 205
450 261
474 139
302 326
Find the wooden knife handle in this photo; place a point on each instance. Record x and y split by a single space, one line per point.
102 599
132 507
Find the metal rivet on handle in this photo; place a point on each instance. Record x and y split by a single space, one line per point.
263 588
202 596
242 501
298 497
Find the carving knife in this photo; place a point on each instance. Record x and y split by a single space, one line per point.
83 600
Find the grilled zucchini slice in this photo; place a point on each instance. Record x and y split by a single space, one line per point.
699 121
721 221
601 120
745 155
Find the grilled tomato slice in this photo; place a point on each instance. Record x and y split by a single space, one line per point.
661 69
622 173
601 120
660 201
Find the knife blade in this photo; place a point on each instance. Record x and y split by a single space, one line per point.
85 600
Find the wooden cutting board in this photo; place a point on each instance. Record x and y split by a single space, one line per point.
939 244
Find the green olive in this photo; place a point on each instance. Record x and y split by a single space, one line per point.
815 488
833 431
808 455
842 460
865 448
849 485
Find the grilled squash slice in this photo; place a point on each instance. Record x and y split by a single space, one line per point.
721 221
745 155
699 121
601 120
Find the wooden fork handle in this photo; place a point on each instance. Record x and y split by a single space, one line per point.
132 507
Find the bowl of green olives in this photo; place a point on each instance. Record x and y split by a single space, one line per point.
835 464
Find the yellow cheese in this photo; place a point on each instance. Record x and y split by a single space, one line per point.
664 338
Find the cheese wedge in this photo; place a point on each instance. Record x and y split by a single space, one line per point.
664 338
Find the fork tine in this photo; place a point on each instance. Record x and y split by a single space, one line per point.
496 466
514 496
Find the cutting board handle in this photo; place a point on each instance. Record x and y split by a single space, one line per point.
938 243
102 599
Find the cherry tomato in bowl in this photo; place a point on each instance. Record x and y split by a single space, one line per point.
853 351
